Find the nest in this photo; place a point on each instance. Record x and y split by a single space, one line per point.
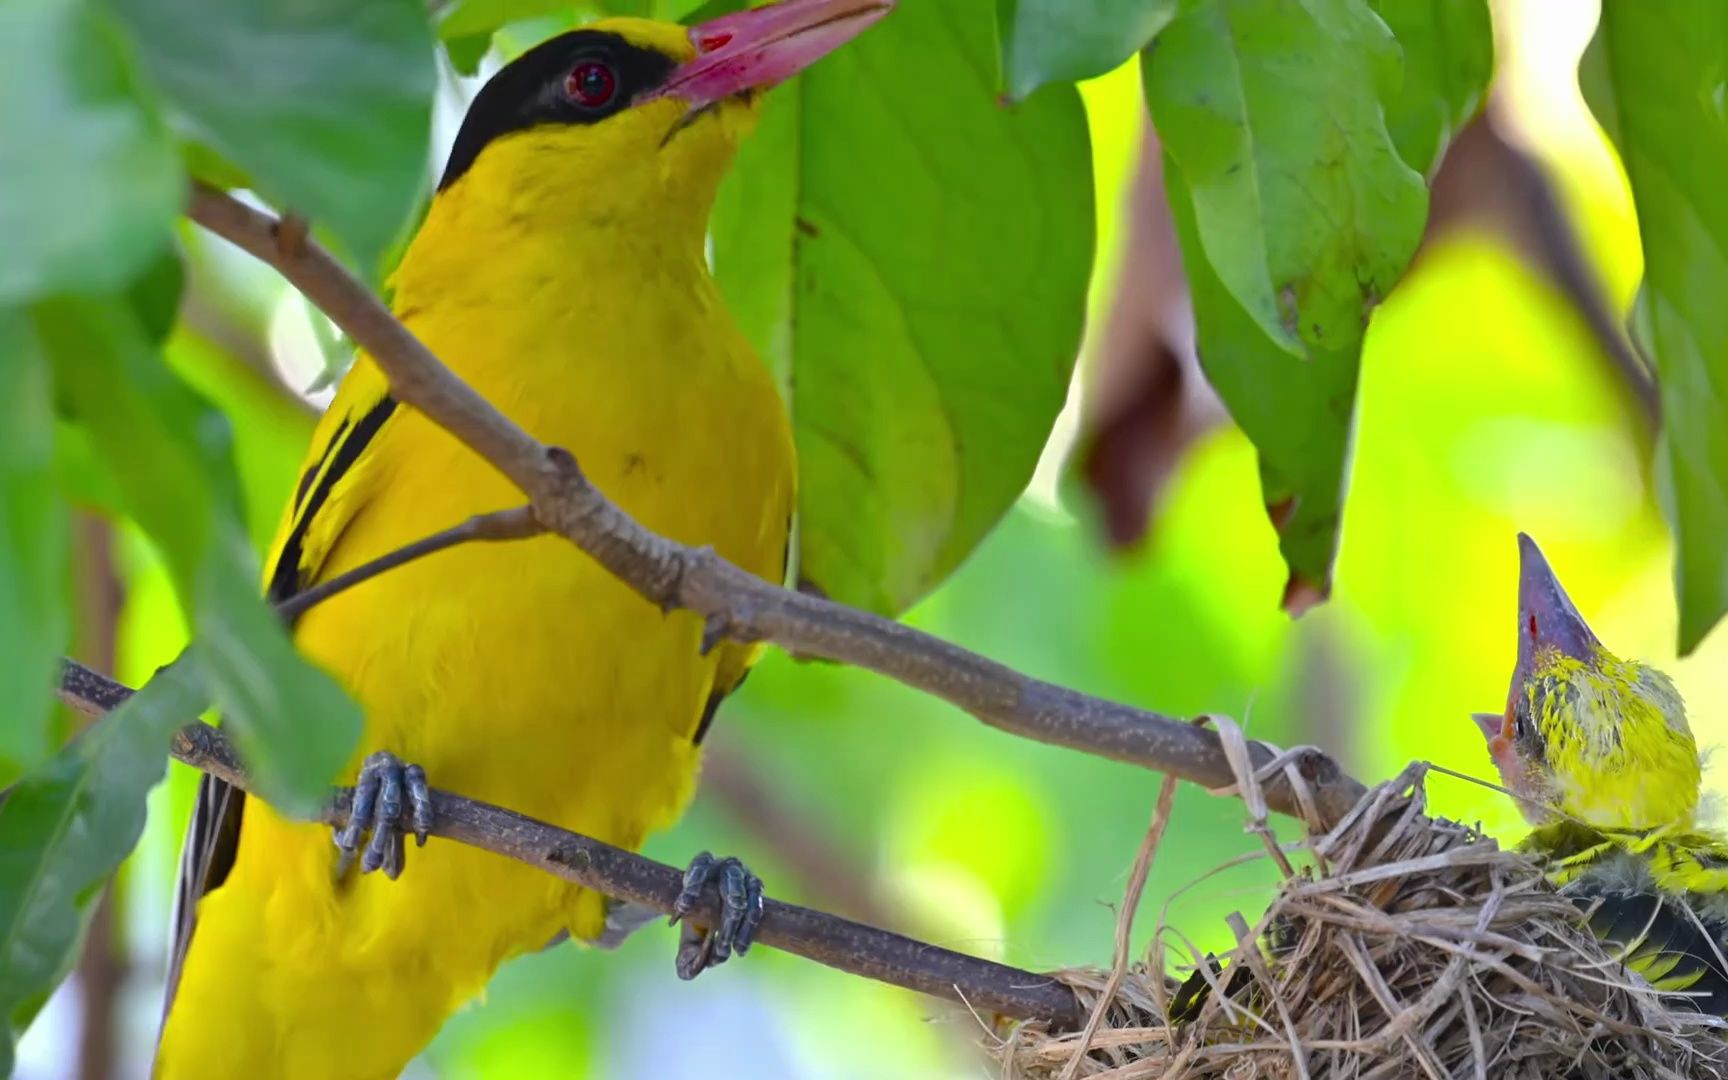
1412 947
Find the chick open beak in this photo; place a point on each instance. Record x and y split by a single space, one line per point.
756 48
1546 617
1493 726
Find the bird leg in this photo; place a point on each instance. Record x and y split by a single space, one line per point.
700 948
623 918
377 808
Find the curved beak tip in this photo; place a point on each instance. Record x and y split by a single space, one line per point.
1546 615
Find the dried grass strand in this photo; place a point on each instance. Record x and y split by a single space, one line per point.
1416 948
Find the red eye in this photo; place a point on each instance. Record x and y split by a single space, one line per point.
590 85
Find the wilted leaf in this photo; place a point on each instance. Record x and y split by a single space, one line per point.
1657 77
926 328
1295 210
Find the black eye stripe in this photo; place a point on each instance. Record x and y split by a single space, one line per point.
530 91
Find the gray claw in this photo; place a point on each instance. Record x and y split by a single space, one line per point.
750 919
695 948
419 802
360 812
741 910
696 877
377 808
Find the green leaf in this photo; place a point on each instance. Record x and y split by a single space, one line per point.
926 328
326 104
1046 41
207 165
1655 77
67 826
169 452
1448 60
1297 217
484 16
33 545
91 181
467 51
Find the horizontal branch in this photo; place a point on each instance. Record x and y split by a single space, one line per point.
983 985
735 603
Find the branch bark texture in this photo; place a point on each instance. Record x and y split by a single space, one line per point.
852 947
737 604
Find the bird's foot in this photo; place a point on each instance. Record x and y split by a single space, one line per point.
700 948
379 793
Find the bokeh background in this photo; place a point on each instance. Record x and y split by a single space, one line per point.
1486 407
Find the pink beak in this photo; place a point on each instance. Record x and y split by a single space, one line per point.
755 49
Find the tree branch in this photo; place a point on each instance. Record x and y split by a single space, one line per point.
735 603
515 524
827 939
104 968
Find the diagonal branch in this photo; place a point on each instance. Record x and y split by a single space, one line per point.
515 524
735 603
827 939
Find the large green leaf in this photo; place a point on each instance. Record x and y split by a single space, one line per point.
326 104
1656 76
1047 41
1299 207
915 265
65 828
33 540
169 452
1448 58
91 185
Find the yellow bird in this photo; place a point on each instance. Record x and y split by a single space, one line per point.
560 271
1658 896
1602 759
1584 734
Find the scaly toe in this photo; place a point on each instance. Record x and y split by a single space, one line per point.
381 791
741 908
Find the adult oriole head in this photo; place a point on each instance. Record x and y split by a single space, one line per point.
626 120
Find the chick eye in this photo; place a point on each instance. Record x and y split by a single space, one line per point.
590 85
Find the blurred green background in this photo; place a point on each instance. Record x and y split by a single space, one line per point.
1484 410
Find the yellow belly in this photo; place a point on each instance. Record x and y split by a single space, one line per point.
521 674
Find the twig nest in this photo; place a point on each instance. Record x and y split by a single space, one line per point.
1413 947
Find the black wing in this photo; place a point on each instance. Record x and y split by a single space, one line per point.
213 836
1666 939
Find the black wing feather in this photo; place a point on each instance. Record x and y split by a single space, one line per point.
213 835
1652 927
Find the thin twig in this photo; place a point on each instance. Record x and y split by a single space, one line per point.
1125 923
518 523
735 603
827 939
